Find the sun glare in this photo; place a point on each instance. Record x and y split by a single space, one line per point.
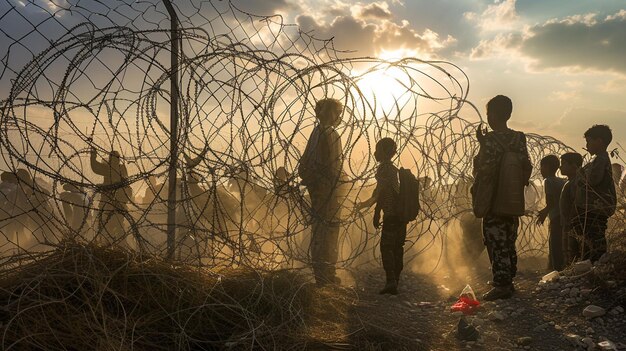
385 88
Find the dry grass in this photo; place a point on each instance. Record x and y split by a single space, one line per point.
92 298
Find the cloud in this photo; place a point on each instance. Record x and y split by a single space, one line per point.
564 95
369 30
614 86
375 10
496 17
575 43
501 45
265 7
579 42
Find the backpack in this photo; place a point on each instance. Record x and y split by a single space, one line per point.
508 199
409 195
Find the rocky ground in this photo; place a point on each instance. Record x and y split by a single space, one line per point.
578 310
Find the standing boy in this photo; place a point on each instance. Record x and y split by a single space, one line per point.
490 187
320 168
552 186
386 197
571 163
595 194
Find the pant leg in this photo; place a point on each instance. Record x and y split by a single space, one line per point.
399 249
387 250
557 255
597 236
325 234
392 247
591 231
500 234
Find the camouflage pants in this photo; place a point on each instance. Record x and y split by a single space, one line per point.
499 235
392 247
589 229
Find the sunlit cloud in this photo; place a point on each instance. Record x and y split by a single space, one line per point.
498 16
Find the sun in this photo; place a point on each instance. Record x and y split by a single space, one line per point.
385 87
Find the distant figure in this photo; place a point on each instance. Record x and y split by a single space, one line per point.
571 163
386 197
595 194
617 171
552 187
472 244
75 208
501 170
12 210
114 199
320 168
153 190
39 209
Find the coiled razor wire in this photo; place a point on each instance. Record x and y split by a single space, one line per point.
81 75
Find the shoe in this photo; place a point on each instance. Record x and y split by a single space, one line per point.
390 288
497 293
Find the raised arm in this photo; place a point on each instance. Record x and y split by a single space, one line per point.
97 167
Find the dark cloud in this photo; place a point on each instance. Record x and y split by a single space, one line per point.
580 41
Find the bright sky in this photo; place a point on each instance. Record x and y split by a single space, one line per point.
561 61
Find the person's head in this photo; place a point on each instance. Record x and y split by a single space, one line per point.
424 182
8 177
24 176
549 165
598 138
328 112
114 157
385 149
571 163
499 111
281 174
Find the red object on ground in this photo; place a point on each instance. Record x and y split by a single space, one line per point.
467 302
465 305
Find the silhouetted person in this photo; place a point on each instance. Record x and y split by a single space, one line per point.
471 227
75 208
386 196
595 194
39 210
493 185
12 209
320 170
571 163
552 187
114 198
153 190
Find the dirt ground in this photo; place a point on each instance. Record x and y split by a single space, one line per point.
356 317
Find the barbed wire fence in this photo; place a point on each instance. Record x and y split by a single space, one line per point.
90 79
